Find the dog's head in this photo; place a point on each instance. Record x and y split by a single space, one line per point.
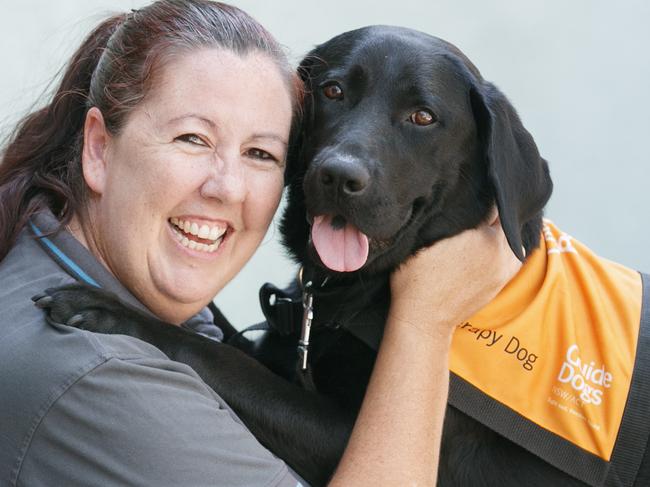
403 143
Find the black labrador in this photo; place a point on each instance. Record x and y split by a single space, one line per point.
402 143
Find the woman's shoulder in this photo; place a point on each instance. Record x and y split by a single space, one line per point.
40 359
144 422
33 348
46 367
112 406
105 405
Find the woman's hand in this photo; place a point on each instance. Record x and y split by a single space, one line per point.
446 283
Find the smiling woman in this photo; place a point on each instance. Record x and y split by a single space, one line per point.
154 173
214 163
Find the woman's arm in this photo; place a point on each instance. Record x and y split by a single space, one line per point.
396 438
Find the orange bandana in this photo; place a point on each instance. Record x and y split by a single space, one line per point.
558 344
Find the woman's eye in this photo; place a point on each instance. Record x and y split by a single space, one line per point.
422 117
333 91
192 139
260 154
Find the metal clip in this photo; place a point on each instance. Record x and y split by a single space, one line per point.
307 317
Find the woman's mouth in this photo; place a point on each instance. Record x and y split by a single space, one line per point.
202 238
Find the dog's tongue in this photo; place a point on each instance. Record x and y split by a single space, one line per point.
344 249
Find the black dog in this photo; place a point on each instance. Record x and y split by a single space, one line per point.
402 144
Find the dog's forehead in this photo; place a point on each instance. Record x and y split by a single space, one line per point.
393 55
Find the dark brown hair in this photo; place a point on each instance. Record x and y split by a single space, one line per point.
113 71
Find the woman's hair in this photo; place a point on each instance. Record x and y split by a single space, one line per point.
112 70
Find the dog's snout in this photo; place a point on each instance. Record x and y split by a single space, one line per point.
343 177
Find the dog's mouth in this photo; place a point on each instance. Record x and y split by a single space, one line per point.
343 247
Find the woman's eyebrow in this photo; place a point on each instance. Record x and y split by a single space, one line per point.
207 121
269 135
201 118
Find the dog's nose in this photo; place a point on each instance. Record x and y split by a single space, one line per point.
344 177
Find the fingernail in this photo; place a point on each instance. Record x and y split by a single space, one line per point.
75 320
44 302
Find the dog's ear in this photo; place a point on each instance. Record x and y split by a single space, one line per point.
293 224
519 175
302 116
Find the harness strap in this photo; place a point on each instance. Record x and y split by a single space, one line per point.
222 322
282 311
635 426
263 326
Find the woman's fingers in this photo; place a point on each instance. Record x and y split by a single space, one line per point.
457 276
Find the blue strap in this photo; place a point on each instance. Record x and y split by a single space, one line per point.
630 448
63 259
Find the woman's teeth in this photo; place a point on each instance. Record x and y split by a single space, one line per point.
184 230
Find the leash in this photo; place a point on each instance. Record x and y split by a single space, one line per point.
307 317
284 310
305 331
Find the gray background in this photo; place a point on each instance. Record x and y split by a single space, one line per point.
577 71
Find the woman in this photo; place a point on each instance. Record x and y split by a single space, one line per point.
154 173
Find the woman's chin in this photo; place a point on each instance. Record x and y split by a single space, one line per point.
175 311
177 296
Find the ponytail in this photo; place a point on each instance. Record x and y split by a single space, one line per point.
41 165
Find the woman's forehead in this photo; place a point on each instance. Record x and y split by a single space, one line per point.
212 83
217 72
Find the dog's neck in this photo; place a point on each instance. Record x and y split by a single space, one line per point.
357 303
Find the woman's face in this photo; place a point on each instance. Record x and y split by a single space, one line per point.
185 193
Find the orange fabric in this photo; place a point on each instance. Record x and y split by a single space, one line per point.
558 344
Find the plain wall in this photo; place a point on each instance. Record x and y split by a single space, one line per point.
577 72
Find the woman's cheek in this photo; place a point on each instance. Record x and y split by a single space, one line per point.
267 192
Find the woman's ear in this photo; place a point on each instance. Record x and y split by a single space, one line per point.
93 155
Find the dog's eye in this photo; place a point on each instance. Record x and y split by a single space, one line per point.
333 91
422 117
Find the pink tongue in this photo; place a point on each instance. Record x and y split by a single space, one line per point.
342 250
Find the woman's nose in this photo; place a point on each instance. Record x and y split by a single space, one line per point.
226 182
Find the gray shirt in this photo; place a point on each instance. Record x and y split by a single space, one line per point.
78 408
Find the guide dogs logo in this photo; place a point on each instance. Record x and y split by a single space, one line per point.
562 245
584 377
